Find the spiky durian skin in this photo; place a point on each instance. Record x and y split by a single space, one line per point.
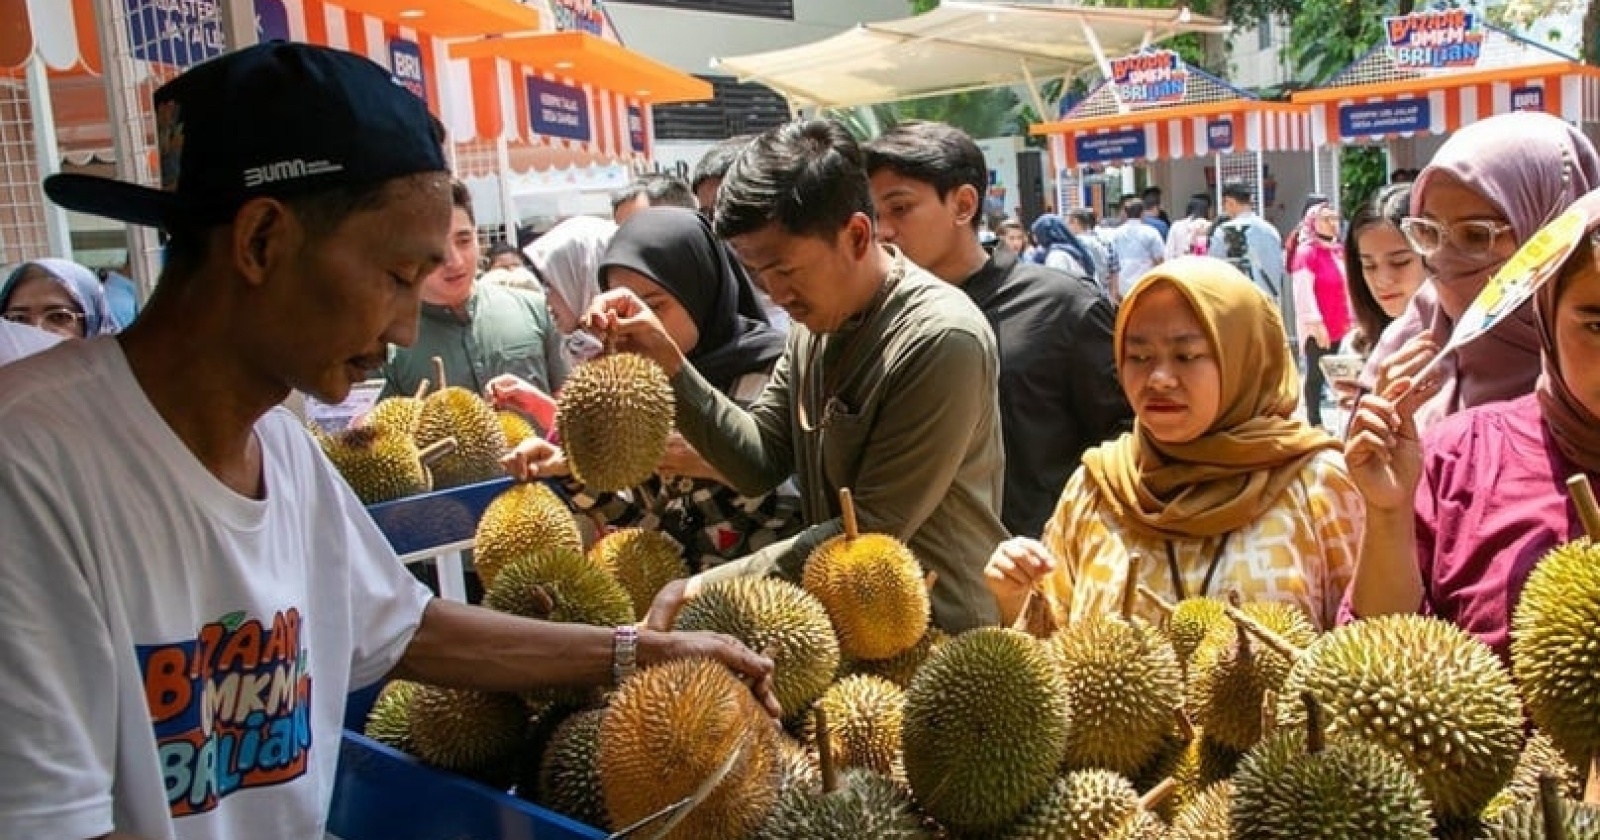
866 805
463 415
1423 689
378 465
902 668
1526 822
865 714
579 591
1230 675
1555 646
1124 686
985 726
399 414
873 590
642 561
1193 620
673 726
779 619
1194 764
797 767
514 427
523 520
389 721
615 413
468 731
1540 757
569 773
1351 790
1205 817
1081 805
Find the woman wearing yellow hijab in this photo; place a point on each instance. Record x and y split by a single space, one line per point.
1218 488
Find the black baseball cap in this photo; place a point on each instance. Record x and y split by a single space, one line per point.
276 119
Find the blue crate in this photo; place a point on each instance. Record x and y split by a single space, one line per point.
419 523
384 794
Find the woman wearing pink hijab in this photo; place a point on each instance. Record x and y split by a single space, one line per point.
1456 522
1321 304
1490 187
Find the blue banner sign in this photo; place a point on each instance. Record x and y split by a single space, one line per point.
1219 135
177 33
1113 146
558 110
1527 99
637 136
272 21
1156 76
1374 118
405 59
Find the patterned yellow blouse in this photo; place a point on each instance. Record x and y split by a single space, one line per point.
1302 551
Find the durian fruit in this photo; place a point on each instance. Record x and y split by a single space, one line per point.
463 415
865 714
1532 820
986 722
569 773
381 465
797 767
1298 784
1424 690
642 561
398 414
615 413
1228 678
872 588
468 731
514 427
1555 646
1539 758
901 668
524 519
1086 805
1192 761
778 619
1206 816
389 721
865 805
1192 621
559 584
678 727
1124 686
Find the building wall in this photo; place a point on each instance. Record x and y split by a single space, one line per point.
1260 59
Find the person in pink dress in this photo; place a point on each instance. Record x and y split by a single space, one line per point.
1322 309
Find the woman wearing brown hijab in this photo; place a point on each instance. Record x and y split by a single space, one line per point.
1218 488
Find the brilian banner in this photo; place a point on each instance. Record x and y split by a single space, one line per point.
1434 40
1150 78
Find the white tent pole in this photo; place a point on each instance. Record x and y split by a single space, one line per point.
508 204
1101 59
46 153
1033 91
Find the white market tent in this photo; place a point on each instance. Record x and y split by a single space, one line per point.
960 46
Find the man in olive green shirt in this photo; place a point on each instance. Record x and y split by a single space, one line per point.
887 387
479 330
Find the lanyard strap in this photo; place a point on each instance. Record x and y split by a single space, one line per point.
1211 570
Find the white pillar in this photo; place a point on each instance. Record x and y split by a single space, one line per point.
508 205
238 23
125 105
46 153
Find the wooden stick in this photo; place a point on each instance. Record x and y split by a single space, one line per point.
931 578
830 773
1166 607
1186 729
1158 794
1591 785
436 450
847 509
1269 712
423 386
1036 618
543 604
1316 738
1283 646
1130 587
1550 807
1583 496
438 373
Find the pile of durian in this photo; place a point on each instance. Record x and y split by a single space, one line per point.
1222 720
615 412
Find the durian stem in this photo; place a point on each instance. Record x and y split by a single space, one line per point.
438 373
1036 618
1186 729
1316 738
1550 807
1283 646
847 510
436 450
1591 785
1130 587
543 604
423 386
1269 712
1583 496
830 773
1166 607
931 578
1158 794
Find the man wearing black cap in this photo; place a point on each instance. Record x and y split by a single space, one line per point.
188 593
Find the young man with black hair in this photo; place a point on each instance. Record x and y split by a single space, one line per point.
712 168
889 389
655 190
1059 392
1154 215
190 592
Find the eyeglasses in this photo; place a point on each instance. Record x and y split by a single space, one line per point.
1475 237
55 318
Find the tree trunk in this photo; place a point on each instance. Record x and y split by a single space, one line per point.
1591 33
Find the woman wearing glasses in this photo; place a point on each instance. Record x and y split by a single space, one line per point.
1490 187
57 296
1458 519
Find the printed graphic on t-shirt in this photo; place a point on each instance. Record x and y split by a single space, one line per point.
231 708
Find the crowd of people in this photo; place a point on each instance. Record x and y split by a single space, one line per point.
1027 417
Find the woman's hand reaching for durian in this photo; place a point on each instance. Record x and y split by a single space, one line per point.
633 328
513 392
1014 569
536 458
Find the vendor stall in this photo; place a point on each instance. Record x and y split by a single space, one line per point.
1437 71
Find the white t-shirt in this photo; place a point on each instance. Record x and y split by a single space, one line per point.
19 340
1139 249
176 656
